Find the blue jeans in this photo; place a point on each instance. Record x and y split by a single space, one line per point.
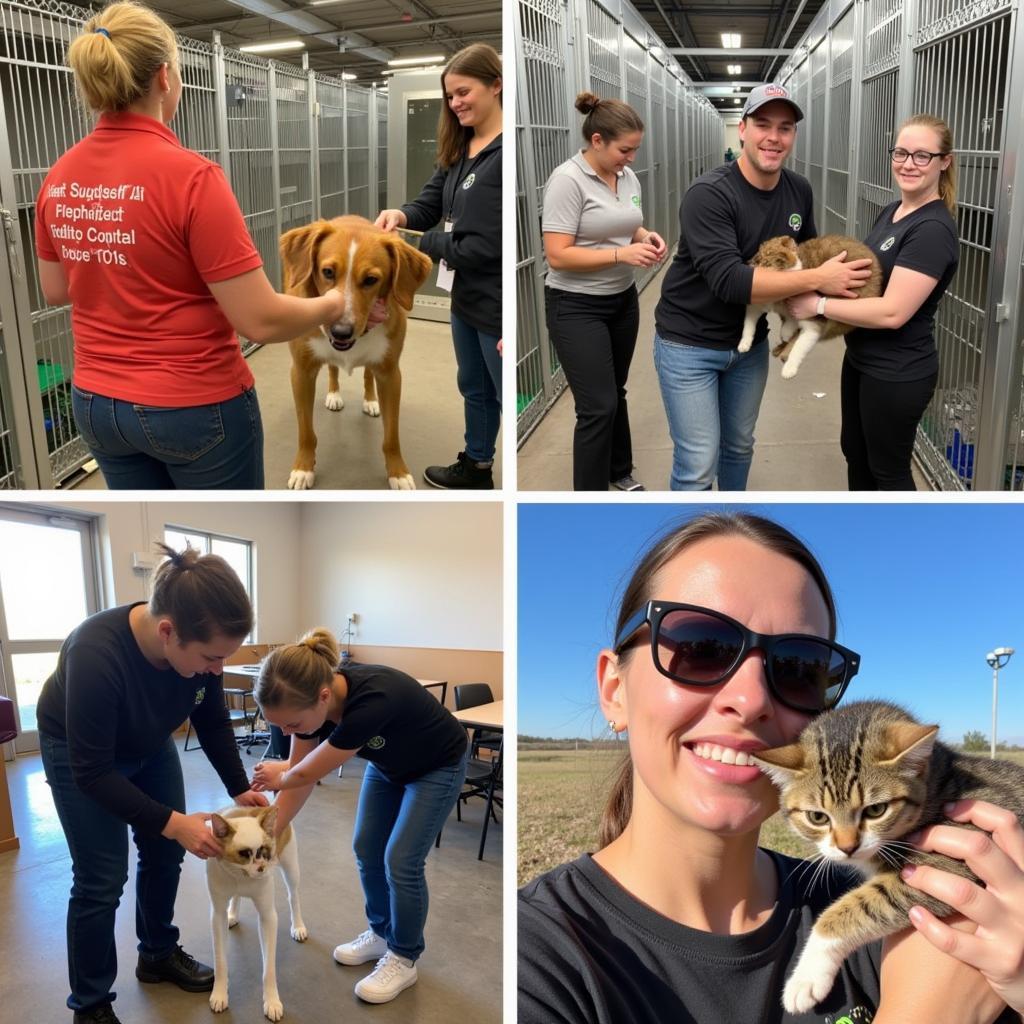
712 398
98 842
145 447
395 828
479 381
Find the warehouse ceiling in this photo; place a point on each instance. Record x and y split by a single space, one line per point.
342 36
699 24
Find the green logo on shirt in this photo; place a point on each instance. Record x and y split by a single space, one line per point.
888 244
636 200
200 694
376 743
468 183
795 220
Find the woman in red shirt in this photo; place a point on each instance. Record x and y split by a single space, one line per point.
146 240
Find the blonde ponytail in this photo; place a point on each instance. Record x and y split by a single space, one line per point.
293 675
118 53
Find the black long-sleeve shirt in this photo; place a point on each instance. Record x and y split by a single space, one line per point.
469 194
111 705
723 221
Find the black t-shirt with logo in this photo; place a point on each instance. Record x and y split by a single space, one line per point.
390 720
925 240
723 221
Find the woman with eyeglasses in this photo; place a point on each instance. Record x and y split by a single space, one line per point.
892 364
724 645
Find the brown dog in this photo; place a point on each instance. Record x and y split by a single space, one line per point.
364 264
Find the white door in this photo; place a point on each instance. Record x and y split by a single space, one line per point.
48 585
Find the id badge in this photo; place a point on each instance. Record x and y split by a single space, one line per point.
445 274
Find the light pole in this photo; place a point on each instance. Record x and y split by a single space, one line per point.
997 659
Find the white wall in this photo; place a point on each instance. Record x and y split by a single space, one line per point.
418 574
273 527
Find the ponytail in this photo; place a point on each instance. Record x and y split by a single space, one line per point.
294 675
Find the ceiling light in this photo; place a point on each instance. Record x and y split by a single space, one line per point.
405 61
346 77
734 69
735 101
284 44
731 40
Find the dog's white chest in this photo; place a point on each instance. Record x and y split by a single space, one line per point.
370 348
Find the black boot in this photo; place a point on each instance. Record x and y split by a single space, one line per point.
185 971
103 1014
462 475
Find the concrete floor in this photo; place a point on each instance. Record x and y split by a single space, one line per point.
349 456
460 975
797 434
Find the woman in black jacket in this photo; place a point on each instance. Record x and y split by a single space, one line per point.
459 213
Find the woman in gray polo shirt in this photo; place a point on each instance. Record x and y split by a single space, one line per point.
593 238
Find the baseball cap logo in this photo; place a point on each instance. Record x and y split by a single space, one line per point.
776 90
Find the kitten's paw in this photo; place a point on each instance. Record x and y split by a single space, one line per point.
219 998
744 345
789 369
273 1009
299 932
804 991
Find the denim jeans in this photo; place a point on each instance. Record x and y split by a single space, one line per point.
98 842
144 447
479 381
395 828
712 398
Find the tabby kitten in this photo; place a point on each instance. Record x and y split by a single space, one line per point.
856 781
783 253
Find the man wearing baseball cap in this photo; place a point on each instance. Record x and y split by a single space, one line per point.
712 393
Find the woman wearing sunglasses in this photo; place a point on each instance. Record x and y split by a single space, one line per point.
892 364
724 645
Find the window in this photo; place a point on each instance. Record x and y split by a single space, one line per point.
237 553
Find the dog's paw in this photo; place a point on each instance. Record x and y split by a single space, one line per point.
804 991
334 401
371 408
301 479
219 999
273 1008
299 932
789 369
402 483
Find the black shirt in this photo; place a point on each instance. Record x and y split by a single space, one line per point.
925 240
468 193
591 953
111 705
723 221
393 722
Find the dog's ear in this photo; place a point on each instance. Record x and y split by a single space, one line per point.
268 819
411 268
299 249
222 828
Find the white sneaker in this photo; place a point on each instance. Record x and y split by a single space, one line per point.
369 946
392 974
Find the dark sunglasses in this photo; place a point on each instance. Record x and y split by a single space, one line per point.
701 647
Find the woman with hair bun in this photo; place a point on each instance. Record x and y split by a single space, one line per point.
125 680
416 763
146 240
593 238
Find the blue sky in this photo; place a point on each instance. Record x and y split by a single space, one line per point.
924 591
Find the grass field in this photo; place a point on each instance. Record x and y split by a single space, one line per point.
561 797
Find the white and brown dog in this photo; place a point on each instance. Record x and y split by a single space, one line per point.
246 869
364 264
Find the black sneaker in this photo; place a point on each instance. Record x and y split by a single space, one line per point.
97 1015
462 475
628 483
185 971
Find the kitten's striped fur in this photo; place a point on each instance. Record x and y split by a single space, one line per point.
858 780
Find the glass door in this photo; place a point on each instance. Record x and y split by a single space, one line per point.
48 585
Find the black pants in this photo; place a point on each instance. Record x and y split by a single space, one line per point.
594 336
880 421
